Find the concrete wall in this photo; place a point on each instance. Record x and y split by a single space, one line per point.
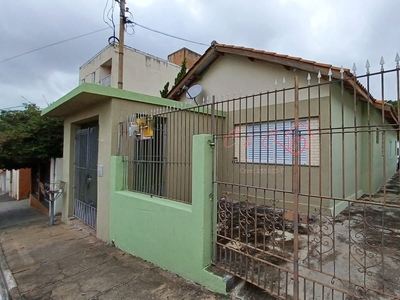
143 73
178 56
172 235
71 123
8 181
20 183
315 174
357 158
3 181
233 76
108 113
56 167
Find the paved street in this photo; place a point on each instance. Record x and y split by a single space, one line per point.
14 212
68 262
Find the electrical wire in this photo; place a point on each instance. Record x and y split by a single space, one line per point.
12 107
104 14
112 40
169 35
53 44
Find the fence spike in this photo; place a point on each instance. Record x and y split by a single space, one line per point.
382 62
354 69
330 74
341 72
319 76
367 66
308 79
397 59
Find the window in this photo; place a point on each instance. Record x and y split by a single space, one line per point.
274 142
149 160
390 149
93 77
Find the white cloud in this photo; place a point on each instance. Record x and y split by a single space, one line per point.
339 32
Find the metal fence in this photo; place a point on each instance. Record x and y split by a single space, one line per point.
157 153
305 181
307 188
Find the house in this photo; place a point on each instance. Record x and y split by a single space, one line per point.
330 173
95 118
143 72
185 185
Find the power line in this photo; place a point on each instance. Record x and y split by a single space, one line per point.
170 35
50 45
12 107
96 31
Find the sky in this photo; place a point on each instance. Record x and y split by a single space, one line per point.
339 32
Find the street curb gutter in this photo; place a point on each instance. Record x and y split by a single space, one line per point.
8 278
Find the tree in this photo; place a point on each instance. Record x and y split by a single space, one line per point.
394 103
27 138
182 72
164 92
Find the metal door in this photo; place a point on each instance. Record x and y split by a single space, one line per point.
85 175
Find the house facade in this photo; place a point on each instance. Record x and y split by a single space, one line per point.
143 72
332 105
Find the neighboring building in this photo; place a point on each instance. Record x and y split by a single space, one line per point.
18 183
178 56
143 73
237 71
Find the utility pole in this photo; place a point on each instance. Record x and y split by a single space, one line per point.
121 44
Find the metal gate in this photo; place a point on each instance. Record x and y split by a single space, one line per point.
85 175
307 190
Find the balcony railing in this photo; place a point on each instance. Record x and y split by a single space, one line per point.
106 81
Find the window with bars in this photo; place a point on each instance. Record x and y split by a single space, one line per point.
274 142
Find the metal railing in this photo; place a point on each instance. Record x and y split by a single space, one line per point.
85 212
106 81
161 164
306 186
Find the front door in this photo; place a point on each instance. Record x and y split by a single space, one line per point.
85 174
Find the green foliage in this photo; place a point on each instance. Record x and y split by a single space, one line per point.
27 138
180 75
182 72
395 104
164 92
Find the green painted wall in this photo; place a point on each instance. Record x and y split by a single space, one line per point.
362 162
172 235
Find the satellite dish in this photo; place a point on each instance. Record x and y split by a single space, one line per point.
194 91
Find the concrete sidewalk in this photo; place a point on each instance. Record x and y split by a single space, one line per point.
68 262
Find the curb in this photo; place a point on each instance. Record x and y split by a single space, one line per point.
6 276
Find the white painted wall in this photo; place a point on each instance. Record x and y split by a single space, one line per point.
55 176
3 182
143 73
14 185
8 181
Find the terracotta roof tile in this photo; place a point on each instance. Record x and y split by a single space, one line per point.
282 55
323 65
307 61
